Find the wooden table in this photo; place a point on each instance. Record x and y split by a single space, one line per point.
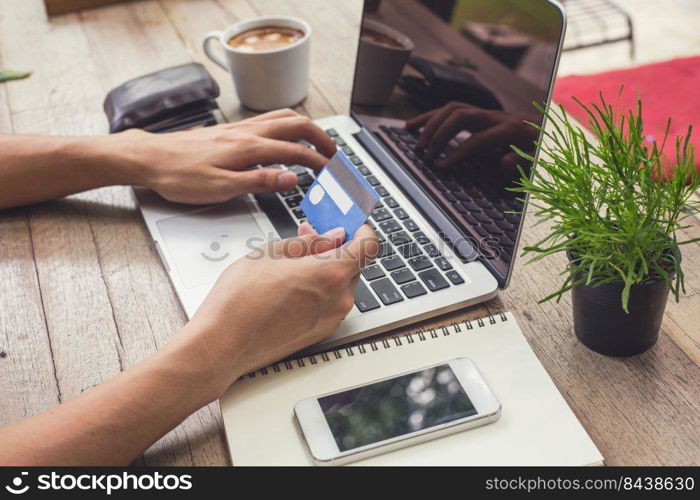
83 294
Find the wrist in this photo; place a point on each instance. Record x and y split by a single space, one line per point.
98 161
125 157
212 368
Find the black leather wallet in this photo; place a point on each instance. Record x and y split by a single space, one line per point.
171 99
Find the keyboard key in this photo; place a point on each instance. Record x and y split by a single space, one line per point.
293 201
373 181
483 203
298 169
373 272
400 213
400 238
280 218
339 141
454 277
460 208
386 291
493 229
410 225
513 218
431 250
421 237
402 276
505 225
450 197
414 289
443 263
305 180
381 191
433 280
380 236
391 202
439 186
363 170
347 150
392 263
298 213
482 217
291 192
364 300
381 214
411 250
471 206
332 132
470 219
390 226
385 249
419 263
493 213
507 241
355 160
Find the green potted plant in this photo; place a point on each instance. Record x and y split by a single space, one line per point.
615 205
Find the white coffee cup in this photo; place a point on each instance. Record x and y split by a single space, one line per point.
265 79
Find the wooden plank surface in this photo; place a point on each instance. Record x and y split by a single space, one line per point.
84 294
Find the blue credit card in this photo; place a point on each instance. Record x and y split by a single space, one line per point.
339 197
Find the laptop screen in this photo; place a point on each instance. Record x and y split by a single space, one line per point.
447 86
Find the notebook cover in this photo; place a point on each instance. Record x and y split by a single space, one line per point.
536 426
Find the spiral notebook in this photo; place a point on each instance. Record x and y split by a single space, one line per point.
536 426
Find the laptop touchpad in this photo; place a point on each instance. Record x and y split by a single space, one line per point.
202 243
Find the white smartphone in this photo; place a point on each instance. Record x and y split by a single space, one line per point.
396 412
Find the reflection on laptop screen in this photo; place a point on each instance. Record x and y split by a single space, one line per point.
447 86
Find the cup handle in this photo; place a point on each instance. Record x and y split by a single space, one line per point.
206 45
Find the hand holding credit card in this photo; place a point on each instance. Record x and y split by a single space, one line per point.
339 197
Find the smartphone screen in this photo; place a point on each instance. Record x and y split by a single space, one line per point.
394 407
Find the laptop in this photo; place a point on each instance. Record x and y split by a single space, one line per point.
449 227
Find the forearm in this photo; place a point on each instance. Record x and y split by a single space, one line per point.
36 169
115 422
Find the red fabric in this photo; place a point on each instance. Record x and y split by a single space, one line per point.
667 89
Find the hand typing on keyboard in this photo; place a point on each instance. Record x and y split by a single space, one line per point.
492 134
208 165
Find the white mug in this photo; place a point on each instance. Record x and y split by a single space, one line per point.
266 79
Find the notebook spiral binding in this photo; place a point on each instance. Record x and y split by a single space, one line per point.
375 345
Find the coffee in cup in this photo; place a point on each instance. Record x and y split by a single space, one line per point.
265 38
268 58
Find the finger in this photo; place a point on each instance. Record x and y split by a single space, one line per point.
296 128
361 249
270 115
268 151
446 131
306 228
478 143
260 180
434 123
420 120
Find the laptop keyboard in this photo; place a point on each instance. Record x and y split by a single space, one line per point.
484 210
409 264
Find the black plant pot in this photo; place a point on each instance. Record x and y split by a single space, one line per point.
603 326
